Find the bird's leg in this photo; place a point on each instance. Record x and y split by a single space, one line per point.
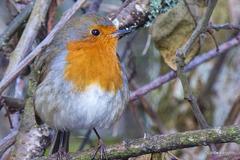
100 147
61 148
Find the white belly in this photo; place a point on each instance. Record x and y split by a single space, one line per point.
93 108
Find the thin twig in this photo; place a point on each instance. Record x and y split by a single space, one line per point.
225 26
149 110
210 31
138 118
201 28
213 74
189 10
109 8
113 16
128 45
15 6
203 99
226 155
94 6
174 156
84 141
148 42
234 113
182 54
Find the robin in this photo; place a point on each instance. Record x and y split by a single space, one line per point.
82 84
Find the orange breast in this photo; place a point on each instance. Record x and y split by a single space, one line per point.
90 62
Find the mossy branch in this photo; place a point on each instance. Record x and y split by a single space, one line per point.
162 143
31 140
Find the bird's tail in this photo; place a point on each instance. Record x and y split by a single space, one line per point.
56 141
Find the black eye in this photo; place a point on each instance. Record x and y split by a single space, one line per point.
95 32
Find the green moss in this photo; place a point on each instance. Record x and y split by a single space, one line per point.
237 140
156 8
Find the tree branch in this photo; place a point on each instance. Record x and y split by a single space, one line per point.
8 141
180 57
162 143
192 65
139 13
201 28
15 24
94 6
29 34
226 155
225 26
13 104
149 110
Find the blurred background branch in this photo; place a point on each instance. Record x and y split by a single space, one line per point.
15 24
198 60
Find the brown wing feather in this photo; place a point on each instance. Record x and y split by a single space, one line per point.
41 68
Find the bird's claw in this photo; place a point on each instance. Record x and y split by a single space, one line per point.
60 153
102 149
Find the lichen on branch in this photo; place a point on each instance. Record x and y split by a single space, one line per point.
140 13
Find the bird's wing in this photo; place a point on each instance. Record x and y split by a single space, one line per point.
41 68
43 62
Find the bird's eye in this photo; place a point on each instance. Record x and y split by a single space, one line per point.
95 32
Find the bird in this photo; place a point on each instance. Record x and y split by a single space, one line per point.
81 81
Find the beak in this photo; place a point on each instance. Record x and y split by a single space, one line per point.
120 33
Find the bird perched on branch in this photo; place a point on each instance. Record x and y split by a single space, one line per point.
82 84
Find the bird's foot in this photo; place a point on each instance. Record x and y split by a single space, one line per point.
61 153
102 149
